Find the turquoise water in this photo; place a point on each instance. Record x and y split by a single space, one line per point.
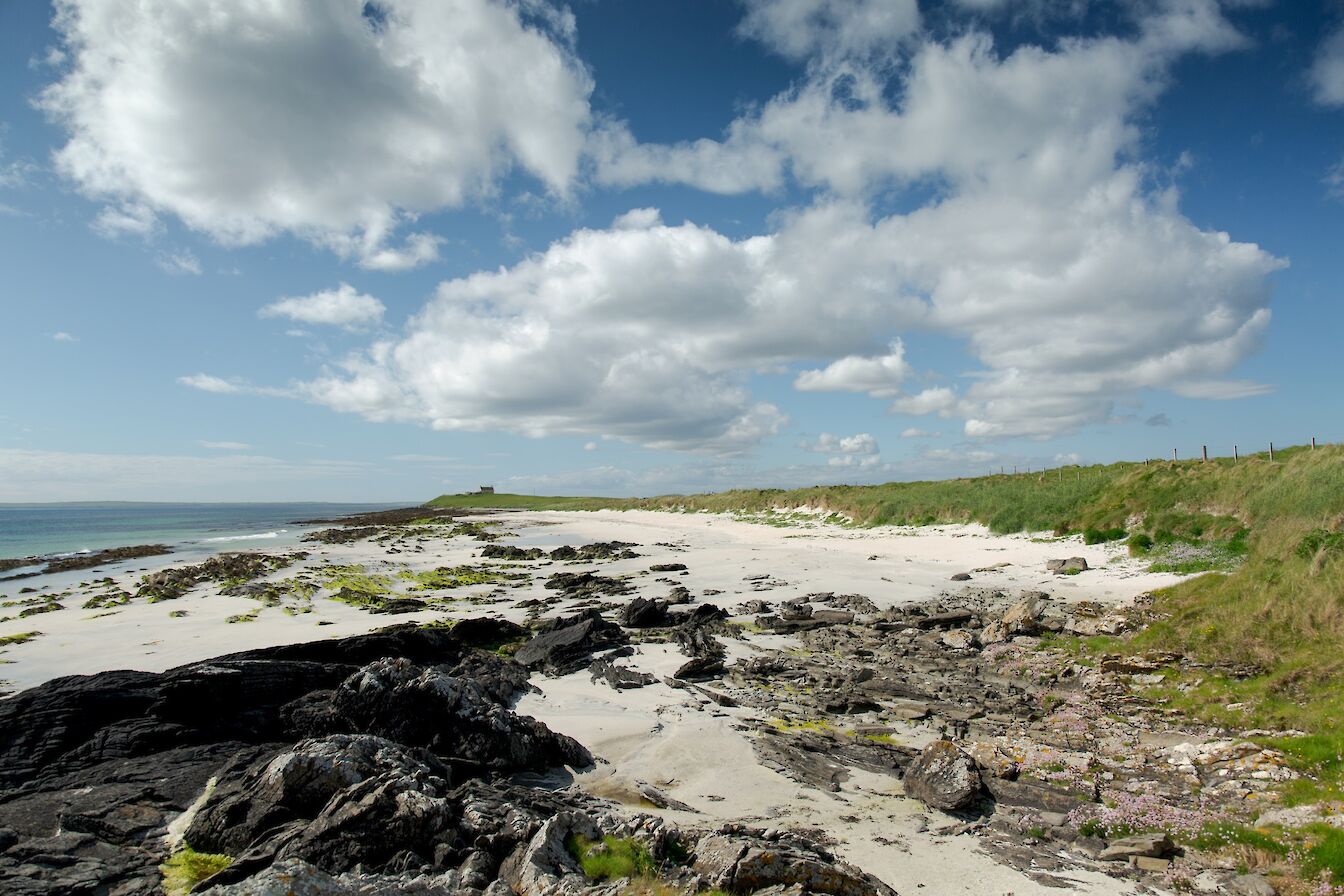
44 529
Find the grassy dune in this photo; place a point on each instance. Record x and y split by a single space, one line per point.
1270 616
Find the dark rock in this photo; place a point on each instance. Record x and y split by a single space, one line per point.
367 796
453 717
703 615
667 567
620 678
601 550
566 645
644 613
943 778
297 783
700 668
397 517
678 596
97 558
576 585
509 552
346 535
699 641
168 584
961 577
396 606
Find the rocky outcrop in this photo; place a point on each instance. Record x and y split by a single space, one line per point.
346 535
740 861
620 678
943 777
601 550
579 585
1067 567
377 754
509 552
168 584
644 613
76 562
566 644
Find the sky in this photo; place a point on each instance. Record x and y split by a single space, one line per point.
338 250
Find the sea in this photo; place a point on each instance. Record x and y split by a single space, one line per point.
54 530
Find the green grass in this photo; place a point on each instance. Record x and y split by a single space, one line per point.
1324 852
611 858
1222 834
522 502
187 867
20 638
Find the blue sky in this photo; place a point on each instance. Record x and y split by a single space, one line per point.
326 249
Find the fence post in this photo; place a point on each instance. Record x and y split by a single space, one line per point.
1271 450
1206 452
1235 456
1313 443
1173 455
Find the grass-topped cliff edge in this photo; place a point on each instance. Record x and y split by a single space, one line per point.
1272 532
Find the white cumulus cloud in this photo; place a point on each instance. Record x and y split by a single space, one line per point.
1327 70
1045 252
343 306
803 29
335 120
207 383
859 444
878 376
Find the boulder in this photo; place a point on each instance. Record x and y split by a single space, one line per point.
961 577
943 777
1067 566
567 645
742 863
700 668
959 639
644 613
1021 618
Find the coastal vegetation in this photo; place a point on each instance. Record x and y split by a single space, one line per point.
186 868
